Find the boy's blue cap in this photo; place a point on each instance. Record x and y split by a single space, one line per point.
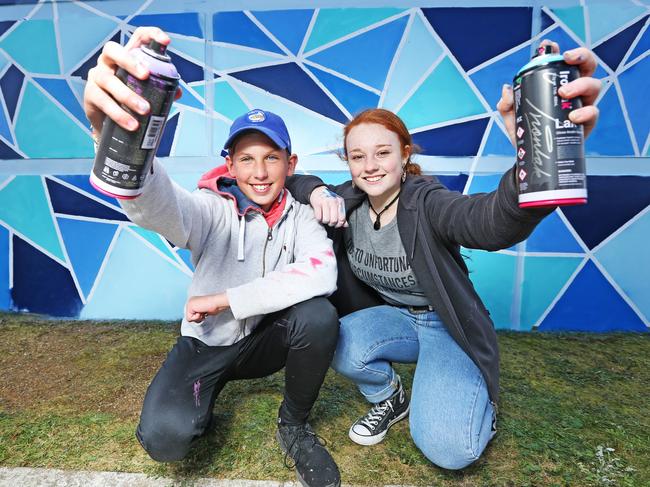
268 123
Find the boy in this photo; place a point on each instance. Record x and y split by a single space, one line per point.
263 266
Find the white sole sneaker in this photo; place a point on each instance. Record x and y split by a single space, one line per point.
374 439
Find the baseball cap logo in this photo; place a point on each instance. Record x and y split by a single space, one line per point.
256 116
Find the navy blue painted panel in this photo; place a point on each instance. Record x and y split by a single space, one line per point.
642 46
292 83
547 21
591 304
11 84
187 69
470 32
454 183
613 50
461 139
91 62
181 23
6 25
613 200
237 28
5 294
42 285
7 152
167 140
69 202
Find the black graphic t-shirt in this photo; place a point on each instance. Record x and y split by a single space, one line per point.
378 258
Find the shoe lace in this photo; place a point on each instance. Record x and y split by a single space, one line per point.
376 414
303 434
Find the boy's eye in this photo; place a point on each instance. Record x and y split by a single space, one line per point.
272 157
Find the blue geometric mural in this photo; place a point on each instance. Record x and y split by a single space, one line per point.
66 250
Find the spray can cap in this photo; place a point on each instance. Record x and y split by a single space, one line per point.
157 49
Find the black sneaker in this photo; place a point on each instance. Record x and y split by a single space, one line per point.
305 451
371 428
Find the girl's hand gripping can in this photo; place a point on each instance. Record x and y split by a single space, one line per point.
124 158
550 148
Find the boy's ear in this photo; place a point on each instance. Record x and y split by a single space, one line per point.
231 167
293 161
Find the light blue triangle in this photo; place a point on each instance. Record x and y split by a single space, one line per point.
229 58
61 91
137 284
310 132
552 235
493 277
544 277
77 85
375 48
188 98
484 183
334 23
497 143
33 46
574 18
606 17
44 131
627 259
194 48
444 95
3 62
86 243
191 135
119 8
154 239
24 207
5 292
185 256
226 100
490 79
288 26
220 131
610 136
80 32
634 82
416 55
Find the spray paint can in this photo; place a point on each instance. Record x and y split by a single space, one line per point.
124 158
550 148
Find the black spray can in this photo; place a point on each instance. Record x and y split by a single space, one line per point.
124 158
550 148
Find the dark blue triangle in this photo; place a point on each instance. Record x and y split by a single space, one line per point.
354 98
68 202
547 21
42 285
237 28
6 25
454 183
5 292
461 139
470 32
91 62
641 47
560 36
591 304
82 182
613 50
613 200
11 85
7 152
187 69
292 83
180 23
167 140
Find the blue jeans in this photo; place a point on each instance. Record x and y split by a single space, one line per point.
451 418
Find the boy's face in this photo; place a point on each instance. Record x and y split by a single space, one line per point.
260 168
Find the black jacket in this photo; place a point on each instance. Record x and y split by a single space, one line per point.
433 223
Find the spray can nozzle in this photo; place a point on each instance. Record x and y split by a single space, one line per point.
543 51
158 50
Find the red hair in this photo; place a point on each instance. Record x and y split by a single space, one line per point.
391 122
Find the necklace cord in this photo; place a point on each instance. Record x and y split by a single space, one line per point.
377 224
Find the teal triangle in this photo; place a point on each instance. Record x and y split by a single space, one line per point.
552 235
417 53
444 95
610 136
606 17
334 23
497 143
80 32
574 19
33 46
61 91
227 101
44 131
627 259
544 277
137 283
188 98
186 256
5 130
376 48
86 243
352 97
25 208
288 26
154 239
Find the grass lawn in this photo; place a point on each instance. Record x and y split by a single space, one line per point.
574 410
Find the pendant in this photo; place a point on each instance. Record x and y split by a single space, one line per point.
377 224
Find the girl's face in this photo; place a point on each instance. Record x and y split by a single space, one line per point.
375 159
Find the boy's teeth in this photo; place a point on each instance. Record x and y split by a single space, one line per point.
260 187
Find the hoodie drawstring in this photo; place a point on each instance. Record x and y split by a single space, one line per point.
240 241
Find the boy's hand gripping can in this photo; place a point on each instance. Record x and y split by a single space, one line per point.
550 148
124 158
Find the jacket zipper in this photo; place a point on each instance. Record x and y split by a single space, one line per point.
269 237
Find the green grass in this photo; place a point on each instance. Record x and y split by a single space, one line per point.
574 410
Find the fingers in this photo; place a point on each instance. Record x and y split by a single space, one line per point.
583 58
585 116
114 55
555 47
506 107
587 88
142 35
